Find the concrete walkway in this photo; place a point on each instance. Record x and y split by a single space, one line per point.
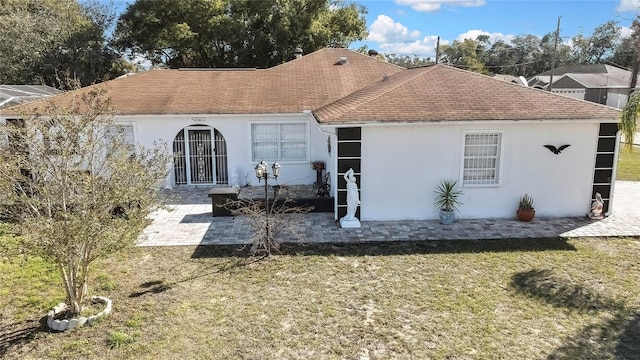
190 223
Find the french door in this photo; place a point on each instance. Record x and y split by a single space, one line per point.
200 157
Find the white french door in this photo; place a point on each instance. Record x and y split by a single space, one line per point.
200 157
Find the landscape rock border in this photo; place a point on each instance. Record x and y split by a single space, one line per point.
68 324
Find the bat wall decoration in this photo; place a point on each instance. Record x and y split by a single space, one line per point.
555 150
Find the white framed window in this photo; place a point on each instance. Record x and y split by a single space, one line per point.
481 158
279 141
124 130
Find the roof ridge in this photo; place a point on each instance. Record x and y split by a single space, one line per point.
375 58
419 72
330 48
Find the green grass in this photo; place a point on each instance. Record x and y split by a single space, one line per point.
629 164
117 339
524 299
28 284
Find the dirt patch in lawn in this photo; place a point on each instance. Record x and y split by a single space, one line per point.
457 299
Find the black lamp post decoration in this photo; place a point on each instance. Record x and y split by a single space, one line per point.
263 174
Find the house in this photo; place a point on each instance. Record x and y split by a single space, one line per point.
520 80
11 95
401 130
599 83
403 135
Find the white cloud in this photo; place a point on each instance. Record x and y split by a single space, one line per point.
625 31
493 37
435 5
394 38
385 30
628 5
425 47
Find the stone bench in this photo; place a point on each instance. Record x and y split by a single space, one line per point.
219 197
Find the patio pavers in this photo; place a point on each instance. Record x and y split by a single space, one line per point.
190 223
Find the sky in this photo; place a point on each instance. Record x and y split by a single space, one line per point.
411 27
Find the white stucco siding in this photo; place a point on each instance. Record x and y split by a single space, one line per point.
236 130
402 164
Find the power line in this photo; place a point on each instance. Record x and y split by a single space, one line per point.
496 66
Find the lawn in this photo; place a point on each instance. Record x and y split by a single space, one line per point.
629 164
512 299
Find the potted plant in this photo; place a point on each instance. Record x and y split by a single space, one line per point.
526 212
447 200
317 165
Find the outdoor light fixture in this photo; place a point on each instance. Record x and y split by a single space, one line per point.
263 174
275 169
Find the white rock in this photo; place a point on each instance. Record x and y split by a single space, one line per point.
64 325
82 320
73 323
55 325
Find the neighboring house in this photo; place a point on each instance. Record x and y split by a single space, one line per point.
520 80
402 131
602 84
11 95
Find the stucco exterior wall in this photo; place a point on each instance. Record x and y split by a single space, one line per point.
236 130
402 164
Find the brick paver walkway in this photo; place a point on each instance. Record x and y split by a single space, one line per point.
190 223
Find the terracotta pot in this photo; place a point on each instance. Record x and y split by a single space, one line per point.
526 214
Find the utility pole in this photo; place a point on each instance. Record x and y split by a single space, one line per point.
437 49
553 57
634 73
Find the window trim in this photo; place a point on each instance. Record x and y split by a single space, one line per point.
134 137
307 134
499 162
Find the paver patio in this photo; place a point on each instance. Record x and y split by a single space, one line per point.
190 223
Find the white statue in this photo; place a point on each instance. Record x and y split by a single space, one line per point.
353 200
596 208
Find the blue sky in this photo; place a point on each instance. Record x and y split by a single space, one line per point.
411 27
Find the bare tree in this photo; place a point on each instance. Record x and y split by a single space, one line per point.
267 225
78 188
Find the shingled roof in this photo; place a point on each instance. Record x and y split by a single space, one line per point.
307 83
444 93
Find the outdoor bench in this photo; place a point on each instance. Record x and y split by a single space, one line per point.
219 197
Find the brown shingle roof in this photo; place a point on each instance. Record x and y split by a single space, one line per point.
302 84
444 93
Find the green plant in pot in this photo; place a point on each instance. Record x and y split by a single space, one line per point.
526 212
447 200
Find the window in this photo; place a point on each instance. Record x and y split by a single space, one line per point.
482 158
284 141
126 133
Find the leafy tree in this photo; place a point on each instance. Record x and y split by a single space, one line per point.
464 54
235 33
597 47
406 60
629 119
77 189
631 112
43 41
623 53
